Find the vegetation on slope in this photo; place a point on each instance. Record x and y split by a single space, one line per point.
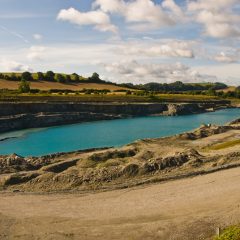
230 233
225 145
150 91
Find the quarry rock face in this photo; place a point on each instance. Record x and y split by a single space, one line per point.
16 116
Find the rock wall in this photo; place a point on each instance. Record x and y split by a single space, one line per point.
7 109
16 116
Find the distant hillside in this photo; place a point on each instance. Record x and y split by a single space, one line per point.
177 86
74 82
60 81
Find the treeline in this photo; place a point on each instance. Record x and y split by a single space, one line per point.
210 92
51 77
175 87
226 94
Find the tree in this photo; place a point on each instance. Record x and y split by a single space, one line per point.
13 77
27 76
94 77
24 86
76 77
60 78
50 76
40 76
211 91
68 78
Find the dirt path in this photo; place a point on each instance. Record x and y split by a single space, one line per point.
183 209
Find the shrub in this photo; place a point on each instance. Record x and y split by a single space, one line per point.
24 87
230 233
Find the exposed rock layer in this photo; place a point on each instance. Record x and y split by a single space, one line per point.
16 116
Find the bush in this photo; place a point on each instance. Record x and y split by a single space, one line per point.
230 233
24 87
34 90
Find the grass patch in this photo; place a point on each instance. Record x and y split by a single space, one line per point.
230 233
87 163
90 163
224 145
110 163
38 97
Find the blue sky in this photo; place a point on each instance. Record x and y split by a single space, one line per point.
124 40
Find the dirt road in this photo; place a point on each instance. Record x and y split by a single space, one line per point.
184 209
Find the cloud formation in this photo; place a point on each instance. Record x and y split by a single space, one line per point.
140 14
36 53
13 66
100 20
134 71
143 14
224 57
159 48
37 36
219 18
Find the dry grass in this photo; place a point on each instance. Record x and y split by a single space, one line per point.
228 89
44 85
224 145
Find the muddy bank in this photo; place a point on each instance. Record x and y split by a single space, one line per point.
16 116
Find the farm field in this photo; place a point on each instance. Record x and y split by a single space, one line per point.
45 85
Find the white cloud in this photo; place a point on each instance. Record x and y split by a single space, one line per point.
160 48
36 53
37 36
219 19
13 66
133 71
227 58
114 60
227 73
112 6
100 20
210 4
174 8
143 14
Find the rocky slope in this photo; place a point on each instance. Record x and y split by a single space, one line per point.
16 116
205 150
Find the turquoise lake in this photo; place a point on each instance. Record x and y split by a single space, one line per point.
37 142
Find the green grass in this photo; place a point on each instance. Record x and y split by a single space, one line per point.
230 233
186 96
38 97
224 145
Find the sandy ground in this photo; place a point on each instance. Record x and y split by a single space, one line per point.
43 85
184 209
